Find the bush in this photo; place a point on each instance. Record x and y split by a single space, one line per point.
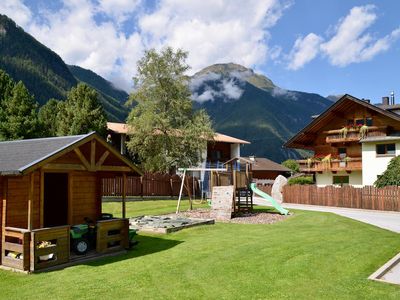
301 180
392 174
292 165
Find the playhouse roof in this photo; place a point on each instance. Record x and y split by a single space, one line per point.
16 157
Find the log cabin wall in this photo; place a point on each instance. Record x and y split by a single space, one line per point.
17 201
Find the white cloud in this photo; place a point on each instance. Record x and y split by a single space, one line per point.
228 87
16 10
73 33
279 92
304 50
90 33
213 31
350 43
118 9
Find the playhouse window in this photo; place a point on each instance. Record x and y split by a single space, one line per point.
386 149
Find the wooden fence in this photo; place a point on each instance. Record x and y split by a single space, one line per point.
368 197
156 184
266 188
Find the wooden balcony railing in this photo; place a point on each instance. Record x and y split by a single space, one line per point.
353 134
350 164
49 247
112 235
15 250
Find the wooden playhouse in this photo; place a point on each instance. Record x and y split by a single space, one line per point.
50 184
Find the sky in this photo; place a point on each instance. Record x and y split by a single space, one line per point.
325 47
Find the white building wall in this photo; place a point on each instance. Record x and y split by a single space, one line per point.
235 150
326 178
372 164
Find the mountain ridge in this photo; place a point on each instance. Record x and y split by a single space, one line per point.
45 74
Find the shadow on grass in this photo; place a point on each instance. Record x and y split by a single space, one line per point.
147 245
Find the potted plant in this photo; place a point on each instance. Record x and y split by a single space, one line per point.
343 132
45 244
363 131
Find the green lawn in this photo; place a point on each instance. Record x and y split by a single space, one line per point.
148 207
308 256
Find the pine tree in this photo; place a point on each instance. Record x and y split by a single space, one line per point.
392 174
166 132
18 114
81 113
48 117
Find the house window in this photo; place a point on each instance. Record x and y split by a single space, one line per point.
342 152
350 122
359 122
368 121
340 180
385 149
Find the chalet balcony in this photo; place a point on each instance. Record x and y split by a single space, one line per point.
334 165
353 134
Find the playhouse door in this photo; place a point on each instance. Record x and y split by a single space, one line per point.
55 206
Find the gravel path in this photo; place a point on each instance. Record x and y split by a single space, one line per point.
250 218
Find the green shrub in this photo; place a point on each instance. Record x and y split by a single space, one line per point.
392 174
301 180
292 165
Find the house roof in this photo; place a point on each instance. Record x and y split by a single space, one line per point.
261 164
123 128
265 164
16 157
307 134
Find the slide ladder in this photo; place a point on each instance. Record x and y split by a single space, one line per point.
267 197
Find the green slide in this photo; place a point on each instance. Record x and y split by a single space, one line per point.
267 197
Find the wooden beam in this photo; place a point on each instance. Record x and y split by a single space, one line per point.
70 197
93 154
102 158
63 167
30 199
41 203
4 215
114 168
123 195
82 158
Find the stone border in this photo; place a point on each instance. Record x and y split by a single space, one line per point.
382 271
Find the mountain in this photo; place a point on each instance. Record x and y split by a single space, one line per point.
334 98
112 98
46 75
250 106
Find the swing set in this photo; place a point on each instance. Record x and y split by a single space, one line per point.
232 174
185 184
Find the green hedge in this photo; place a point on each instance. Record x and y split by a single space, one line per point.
301 180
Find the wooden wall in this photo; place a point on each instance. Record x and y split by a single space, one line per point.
85 199
86 196
17 201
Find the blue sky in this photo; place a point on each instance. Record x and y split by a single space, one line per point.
326 47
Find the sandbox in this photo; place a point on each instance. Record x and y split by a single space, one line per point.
389 272
166 224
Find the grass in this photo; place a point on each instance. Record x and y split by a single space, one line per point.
148 207
310 255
